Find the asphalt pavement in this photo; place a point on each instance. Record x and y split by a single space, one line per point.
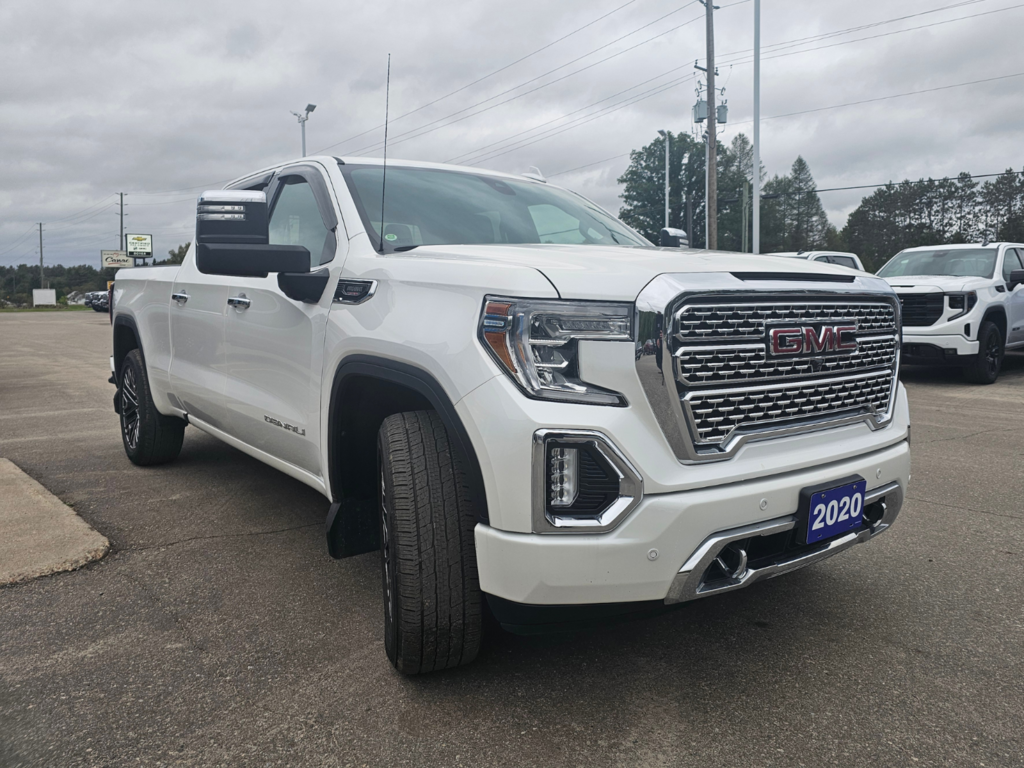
217 631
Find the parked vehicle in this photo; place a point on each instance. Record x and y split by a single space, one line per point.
963 305
850 260
456 368
97 300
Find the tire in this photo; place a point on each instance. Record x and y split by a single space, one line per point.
149 437
984 367
432 599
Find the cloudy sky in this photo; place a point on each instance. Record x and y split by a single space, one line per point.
162 100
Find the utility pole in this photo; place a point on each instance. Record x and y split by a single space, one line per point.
123 244
756 169
668 188
712 200
42 282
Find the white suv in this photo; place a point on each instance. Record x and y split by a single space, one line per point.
962 305
850 260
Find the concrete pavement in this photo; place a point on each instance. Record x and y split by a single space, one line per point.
219 632
41 534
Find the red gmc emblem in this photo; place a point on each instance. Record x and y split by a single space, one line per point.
813 340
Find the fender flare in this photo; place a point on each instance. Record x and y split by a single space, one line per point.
127 322
421 382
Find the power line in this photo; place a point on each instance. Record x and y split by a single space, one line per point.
485 77
772 47
588 119
744 60
457 158
861 27
886 98
426 127
588 165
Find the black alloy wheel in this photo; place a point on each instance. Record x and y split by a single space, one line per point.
985 366
130 408
148 436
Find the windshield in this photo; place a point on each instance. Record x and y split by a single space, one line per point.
427 206
958 262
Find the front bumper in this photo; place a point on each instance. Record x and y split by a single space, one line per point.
958 343
651 555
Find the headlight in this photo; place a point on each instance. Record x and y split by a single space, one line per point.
962 301
535 342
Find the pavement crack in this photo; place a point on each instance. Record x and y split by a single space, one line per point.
965 509
219 536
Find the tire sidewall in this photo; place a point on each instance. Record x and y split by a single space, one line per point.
388 548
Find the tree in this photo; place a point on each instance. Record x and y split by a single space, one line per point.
643 194
175 255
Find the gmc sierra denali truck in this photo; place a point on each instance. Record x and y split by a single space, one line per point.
519 401
963 305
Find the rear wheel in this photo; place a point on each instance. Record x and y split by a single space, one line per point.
984 367
432 600
149 437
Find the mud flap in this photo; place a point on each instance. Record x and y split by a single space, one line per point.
354 532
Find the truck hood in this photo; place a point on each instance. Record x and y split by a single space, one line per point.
612 273
936 283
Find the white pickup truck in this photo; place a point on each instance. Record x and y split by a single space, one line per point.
520 402
963 305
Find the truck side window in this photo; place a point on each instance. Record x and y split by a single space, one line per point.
296 220
844 261
1011 261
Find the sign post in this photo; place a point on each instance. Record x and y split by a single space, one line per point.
139 246
115 260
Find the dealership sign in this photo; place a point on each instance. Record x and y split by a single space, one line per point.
116 260
140 246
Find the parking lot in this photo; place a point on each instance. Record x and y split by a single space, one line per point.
219 632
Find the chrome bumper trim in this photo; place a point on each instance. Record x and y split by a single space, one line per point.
689 582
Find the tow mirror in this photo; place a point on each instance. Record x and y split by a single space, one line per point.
1016 278
674 238
234 216
232 238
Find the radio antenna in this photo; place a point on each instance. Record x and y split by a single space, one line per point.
384 180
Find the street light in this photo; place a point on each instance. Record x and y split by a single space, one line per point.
302 122
667 138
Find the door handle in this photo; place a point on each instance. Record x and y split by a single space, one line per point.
181 298
239 301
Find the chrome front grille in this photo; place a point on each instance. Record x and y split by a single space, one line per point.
716 413
734 321
723 375
745 362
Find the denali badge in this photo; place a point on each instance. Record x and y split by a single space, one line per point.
813 340
289 427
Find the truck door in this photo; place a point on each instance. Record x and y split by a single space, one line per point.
197 309
274 344
1014 259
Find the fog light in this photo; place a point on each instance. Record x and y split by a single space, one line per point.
563 479
581 482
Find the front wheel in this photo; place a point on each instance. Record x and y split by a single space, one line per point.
149 437
984 367
432 599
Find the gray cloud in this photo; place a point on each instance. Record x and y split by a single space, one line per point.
150 98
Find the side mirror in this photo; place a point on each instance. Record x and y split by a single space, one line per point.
674 238
1016 278
232 238
232 216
